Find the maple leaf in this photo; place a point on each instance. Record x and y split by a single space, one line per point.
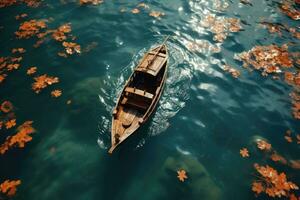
11 123
263 145
181 175
9 187
257 187
244 152
56 93
31 70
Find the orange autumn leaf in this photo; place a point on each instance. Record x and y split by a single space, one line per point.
143 5
6 106
135 11
181 175
288 139
2 77
71 47
56 93
94 2
234 72
257 187
11 123
263 145
156 14
31 70
60 33
244 152
43 81
11 67
9 188
278 158
298 138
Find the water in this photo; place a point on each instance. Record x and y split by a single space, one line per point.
205 116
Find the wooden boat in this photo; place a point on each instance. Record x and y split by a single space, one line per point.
140 95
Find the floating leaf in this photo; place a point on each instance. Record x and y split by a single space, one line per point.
9 187
43 81
135 11
244 152
31 70
6 106
181 175
11 123
56 93
94 2
272 183
263 145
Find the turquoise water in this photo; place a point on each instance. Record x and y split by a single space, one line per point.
205 116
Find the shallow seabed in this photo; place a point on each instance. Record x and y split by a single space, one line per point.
205 115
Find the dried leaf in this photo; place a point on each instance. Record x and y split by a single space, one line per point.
181 175
244 152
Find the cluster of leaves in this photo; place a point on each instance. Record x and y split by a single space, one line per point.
22 136
30 3
289 137
30 28
38 28
280 28
234 72
42 82
289 8
94 2
272 183
273 59
221 26
152 13
269 181
10 63
8 119
268 59
9 188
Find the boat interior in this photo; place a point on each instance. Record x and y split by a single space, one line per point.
139 93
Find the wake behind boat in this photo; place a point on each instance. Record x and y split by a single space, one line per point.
140 95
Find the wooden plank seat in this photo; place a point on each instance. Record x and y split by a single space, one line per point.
139 92
139 104
160 54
